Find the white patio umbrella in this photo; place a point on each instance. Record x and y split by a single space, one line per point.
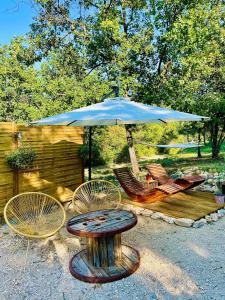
116 111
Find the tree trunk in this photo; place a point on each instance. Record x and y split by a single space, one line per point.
199 153
204 135
199 140
215 151
214 140
132 153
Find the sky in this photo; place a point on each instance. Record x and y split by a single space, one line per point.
15 18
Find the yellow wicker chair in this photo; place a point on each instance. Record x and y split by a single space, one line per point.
34 215
96 194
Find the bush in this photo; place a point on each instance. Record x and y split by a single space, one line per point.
96 155
21 158
111 140
123 155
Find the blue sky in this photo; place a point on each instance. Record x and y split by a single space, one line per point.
15 18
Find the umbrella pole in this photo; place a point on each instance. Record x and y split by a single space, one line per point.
89 152
130 142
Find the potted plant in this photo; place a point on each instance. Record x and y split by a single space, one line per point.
219 197
21 158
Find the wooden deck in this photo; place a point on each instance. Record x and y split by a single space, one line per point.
187 204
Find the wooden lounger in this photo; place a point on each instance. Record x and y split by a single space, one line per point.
131 185
137 190
159 173
170 188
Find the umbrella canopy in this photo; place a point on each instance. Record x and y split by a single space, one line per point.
115 111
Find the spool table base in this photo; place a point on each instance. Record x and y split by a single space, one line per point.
83 270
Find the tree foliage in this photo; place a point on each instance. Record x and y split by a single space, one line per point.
168 53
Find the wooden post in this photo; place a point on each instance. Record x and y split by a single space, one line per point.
89 152
131 149
15 171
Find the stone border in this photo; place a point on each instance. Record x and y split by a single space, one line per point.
185 222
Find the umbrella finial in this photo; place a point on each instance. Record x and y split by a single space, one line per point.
116 90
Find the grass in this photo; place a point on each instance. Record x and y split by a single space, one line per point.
184 160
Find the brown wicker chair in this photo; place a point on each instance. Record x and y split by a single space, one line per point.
134 188
159 173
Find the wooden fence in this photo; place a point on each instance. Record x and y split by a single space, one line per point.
57 170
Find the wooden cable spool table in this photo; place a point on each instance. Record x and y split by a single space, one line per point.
105 259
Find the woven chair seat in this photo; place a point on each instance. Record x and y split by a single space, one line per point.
34 215
95 195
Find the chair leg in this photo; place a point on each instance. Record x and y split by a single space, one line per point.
17 246
26 255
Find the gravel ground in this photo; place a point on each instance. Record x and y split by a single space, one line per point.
176 263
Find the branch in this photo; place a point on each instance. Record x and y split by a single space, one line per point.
161 57
95 67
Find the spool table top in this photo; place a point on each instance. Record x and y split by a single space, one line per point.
102 223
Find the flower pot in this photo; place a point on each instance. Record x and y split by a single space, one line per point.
219 198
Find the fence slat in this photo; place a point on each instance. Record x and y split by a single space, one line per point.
58 169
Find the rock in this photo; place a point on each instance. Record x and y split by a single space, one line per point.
221 213
128 207
169 220
214 217
157 215
199 223
207 188
184 222
137 210
146 212
208 219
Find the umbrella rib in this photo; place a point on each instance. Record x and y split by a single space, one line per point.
162 121
71 123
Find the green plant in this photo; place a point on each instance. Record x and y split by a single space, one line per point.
95 153
219 188
21 158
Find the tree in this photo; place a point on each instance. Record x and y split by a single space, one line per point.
164 52
191 76
19 84
113 37
65 87
29 92
200 65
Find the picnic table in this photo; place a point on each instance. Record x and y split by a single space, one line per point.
105 258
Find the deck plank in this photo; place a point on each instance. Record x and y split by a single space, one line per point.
186 204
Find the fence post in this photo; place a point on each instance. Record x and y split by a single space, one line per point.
15 172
